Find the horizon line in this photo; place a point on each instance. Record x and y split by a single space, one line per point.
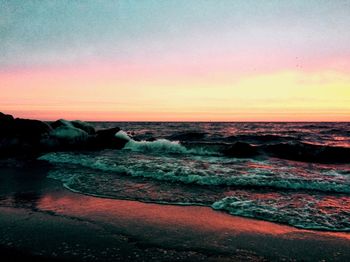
24 116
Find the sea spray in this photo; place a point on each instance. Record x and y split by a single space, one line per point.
308 211
161 146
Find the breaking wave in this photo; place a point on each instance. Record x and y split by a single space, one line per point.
202 172
300 210
291 173
161 146
296 151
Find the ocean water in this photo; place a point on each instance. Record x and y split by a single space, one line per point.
184 163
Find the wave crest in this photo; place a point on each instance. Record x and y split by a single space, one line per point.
204 173
160 145
299 210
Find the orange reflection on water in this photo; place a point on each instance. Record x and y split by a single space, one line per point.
332 203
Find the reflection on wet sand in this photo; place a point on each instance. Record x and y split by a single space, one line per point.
197 227
195 217
40 202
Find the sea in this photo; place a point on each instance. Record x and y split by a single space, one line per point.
182 163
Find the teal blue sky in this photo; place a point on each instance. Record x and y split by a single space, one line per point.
61 32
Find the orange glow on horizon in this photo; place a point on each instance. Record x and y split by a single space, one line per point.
140 93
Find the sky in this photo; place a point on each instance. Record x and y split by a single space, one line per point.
197 60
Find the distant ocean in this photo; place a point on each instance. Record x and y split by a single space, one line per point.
182 163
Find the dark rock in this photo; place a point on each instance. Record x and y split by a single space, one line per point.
106 139
26 129
240 150
30 128
107 133
21 136
24 137
5 118
58 123
309 152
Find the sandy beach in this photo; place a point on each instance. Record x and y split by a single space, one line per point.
42 219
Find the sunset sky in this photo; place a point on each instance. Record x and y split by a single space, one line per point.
178 60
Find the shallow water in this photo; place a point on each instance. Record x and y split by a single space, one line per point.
181 163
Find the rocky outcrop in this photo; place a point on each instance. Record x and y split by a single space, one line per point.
77 135
22 128
106 139
25 137
5 118
21 136
309 152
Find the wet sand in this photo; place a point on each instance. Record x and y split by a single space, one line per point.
40 218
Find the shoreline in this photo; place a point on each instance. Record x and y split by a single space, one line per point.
191 233
233 237
165 203
42 219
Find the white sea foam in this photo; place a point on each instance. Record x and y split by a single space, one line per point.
160 146
123 135
303 195
299 210
69 133
96 173
201 173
